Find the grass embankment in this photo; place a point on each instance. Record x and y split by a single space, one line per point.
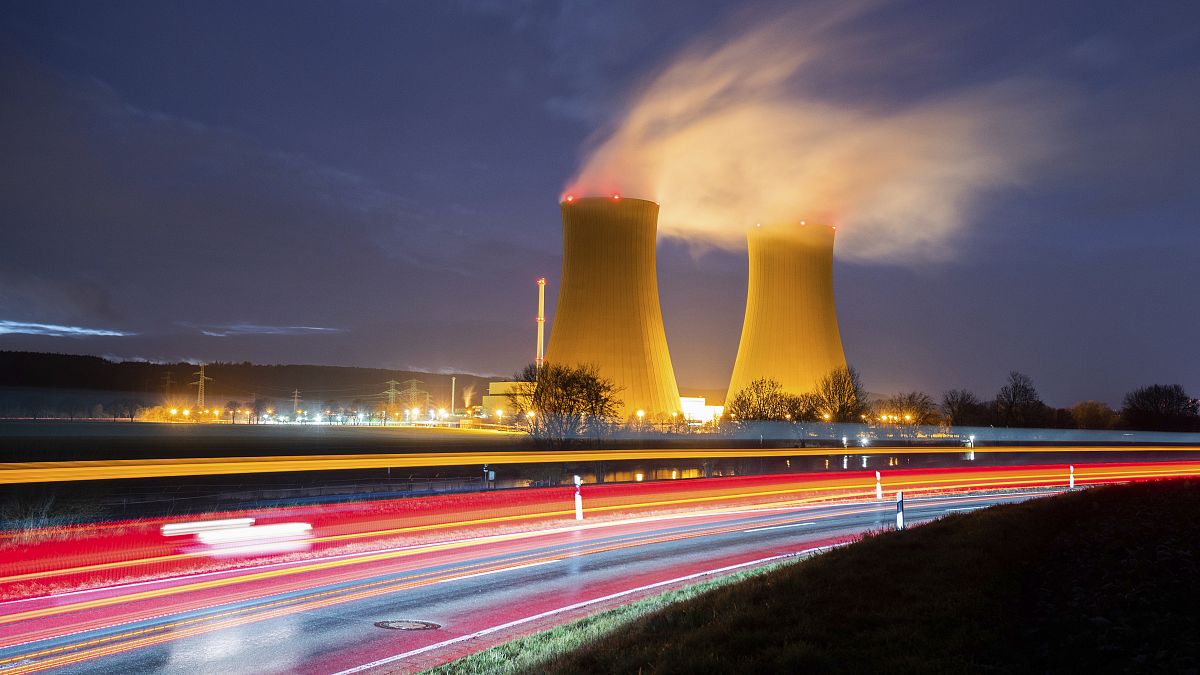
1107 580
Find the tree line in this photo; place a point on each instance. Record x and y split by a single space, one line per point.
840 397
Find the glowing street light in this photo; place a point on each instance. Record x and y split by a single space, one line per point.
174 411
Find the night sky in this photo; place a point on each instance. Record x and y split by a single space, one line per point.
376 184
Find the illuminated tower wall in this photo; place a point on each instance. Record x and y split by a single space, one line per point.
608 312
790 333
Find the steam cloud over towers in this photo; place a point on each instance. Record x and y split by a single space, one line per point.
790 333
608 312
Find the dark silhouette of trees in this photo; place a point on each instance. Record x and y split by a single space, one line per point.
1094 415
1018 404
1160 407
561 404
963 408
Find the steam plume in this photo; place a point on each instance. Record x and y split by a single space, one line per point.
737 131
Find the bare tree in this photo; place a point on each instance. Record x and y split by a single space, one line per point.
840 396
963 408
914 407
562 404
765 399
762 399
1018 404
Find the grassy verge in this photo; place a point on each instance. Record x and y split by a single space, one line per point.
531 653
1105 580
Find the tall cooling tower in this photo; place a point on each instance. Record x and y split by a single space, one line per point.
608 312
791 331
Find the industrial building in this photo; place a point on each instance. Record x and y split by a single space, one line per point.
608 313
790 333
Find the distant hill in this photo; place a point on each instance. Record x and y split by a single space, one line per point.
38 384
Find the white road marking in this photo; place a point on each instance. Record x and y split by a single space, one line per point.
779 527
579 605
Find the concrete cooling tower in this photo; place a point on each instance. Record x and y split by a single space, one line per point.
791 331
608 312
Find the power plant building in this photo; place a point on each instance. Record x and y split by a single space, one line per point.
790 333
608 313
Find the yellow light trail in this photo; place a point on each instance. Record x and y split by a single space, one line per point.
45 472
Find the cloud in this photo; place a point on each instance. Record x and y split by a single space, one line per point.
745 127
54 330
255 329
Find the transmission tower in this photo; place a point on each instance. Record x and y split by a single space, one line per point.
412 395
296 401
199 384
167 382
391 392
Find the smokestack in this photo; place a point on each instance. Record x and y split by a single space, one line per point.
540 358
608 312
791 332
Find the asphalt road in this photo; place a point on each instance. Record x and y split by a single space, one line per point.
319 615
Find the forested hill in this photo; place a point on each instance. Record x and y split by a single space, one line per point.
147 382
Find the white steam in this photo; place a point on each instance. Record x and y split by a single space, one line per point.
737 132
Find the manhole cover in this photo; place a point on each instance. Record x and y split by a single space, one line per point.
408 624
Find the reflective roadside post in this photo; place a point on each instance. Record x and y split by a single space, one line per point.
899 510
1071 484
878 487
578 499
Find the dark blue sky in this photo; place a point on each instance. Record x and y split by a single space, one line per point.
373 183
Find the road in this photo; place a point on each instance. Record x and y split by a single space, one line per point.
485 566
319 615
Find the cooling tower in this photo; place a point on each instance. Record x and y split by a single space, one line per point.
608 312
791 332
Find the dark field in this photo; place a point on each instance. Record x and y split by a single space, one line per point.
1105 580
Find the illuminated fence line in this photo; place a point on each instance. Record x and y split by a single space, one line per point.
43 472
